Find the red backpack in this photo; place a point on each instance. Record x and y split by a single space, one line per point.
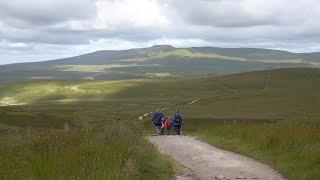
168 123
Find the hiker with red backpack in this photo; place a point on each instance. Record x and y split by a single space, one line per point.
158 119
168 124
177 122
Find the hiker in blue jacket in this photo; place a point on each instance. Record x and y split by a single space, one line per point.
158 119
177 122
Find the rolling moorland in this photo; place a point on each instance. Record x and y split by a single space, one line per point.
157 61
90 129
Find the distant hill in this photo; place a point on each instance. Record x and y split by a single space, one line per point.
157 61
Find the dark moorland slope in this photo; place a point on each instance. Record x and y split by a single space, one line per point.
157 61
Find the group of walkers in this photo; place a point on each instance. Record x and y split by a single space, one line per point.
161 122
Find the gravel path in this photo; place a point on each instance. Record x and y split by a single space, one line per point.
208 162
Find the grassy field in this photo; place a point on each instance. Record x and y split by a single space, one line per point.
292 147
277 124
275 120
106 153
76 140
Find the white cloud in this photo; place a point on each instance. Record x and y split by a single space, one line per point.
14 46
140 13
112 15
17 45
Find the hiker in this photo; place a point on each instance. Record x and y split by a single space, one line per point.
177 122
168 124
158 119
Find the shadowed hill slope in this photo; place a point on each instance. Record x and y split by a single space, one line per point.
157 61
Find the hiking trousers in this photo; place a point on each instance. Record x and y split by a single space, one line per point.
160 130
177 129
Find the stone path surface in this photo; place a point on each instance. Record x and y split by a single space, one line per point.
209 162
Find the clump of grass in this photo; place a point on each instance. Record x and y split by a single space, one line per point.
110 152
293 147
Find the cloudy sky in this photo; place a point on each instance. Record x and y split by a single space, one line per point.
37 30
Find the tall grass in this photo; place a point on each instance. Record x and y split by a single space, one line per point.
293 147
110 152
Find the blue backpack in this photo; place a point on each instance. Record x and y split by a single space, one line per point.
157 118
177 120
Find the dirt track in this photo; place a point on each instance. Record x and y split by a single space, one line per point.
208 162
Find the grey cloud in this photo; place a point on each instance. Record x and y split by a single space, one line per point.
35 21
44 12
216 20
284 24
219 13
244 13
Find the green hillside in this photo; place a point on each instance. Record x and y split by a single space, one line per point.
157 62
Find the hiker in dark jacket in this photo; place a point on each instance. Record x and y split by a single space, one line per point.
158 119
177 122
